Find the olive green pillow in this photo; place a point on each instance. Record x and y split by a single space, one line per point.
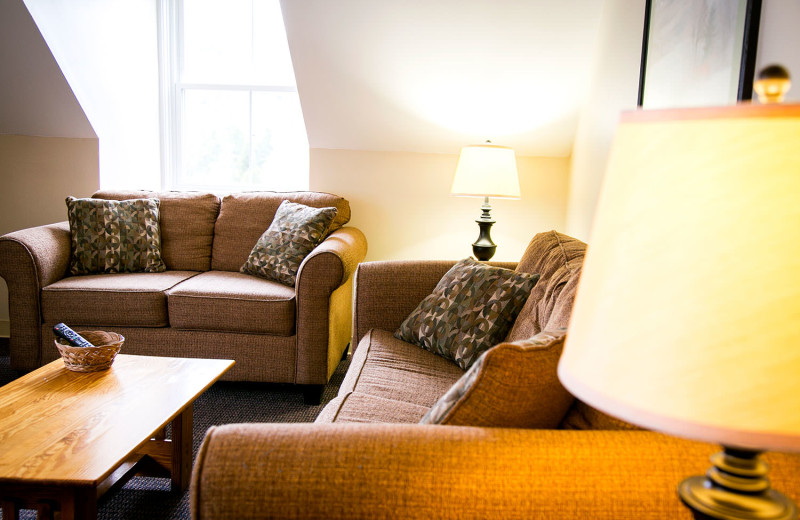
114 236
471 309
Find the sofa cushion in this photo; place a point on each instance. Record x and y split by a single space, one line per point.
293 234
355 407
471 309
512 385
112 236
232 302
557 259
243 217
187 225
581 416
108 300
386 367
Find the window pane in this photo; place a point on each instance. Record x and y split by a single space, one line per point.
216 137
244 139
280 145
272 63
217 40
235 42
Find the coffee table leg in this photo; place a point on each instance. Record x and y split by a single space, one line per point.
182 449
10 509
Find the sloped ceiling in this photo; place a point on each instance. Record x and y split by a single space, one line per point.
35 98
434 75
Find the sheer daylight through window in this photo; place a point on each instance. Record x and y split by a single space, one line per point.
231 114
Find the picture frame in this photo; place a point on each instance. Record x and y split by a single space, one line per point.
698 52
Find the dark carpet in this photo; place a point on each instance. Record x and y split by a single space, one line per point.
223 403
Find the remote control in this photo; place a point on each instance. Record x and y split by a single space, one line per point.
74 339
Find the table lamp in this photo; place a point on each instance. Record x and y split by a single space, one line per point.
486 170
687 317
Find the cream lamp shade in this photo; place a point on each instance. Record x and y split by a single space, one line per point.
486 170
687 318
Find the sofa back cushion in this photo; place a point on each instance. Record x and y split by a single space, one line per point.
557 259
187 225
243 218
512 385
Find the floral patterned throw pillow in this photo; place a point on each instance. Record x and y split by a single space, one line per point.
294 232
114 236
471 309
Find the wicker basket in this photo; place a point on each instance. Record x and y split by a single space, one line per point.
91 359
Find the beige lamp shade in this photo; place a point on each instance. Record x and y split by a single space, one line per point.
486 170
687 318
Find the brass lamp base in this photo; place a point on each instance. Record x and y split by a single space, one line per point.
735 488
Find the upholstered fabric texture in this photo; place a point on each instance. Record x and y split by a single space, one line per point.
370 471
187 225
110 236
243 217
122 300
557 259
391 381
512 385
294 232
233 302
471 309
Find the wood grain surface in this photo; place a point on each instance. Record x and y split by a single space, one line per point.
63 427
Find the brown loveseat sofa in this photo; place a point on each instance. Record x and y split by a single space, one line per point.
366 457
201 306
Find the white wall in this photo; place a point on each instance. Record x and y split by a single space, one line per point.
35 99
402 203
432 76
614 88
779 40
107 50
37 175
48 149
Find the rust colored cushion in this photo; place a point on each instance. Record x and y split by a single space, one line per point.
513 385
243 217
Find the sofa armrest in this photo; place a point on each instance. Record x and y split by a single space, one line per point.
412 471
386 292
324 303
29 260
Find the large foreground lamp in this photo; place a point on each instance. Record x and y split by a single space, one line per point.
687 318
486 170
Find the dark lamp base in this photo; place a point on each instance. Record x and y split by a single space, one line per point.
735 488
484 248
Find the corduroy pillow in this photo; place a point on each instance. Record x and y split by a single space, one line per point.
471 309
293 234
114 236
512 385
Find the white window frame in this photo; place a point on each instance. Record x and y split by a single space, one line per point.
170 47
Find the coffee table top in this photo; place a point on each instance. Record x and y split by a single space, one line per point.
58 426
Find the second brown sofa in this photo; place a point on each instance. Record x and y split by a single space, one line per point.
201 306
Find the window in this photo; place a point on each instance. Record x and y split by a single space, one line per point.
231 117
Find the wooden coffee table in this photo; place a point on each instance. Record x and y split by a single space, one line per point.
66 438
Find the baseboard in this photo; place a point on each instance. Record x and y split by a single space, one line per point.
5 328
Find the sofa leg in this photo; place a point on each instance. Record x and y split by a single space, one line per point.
312 394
